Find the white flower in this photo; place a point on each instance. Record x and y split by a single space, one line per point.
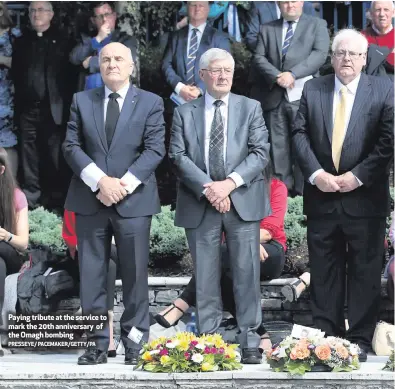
354 349
282 353
238 356
154 352
200 346
197 358
346 342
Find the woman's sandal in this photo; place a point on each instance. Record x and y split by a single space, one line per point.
265 336
290 292
163 322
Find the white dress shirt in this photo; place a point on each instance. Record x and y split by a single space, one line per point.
92 174
209 111
350 98
199 33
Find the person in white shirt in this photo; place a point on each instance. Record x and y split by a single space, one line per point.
344 142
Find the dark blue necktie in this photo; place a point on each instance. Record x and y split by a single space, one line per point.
111 116
287 41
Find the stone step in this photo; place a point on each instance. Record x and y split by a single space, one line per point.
60 371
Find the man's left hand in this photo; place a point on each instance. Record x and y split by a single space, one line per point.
347 182
219 190
104 199
285 80
86 61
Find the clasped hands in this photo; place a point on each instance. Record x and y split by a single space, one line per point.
286 80
217 192
327 182
111 190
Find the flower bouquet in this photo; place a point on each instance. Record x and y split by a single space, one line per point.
298 356
185 353
390 365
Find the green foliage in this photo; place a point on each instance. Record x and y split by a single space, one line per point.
242 57
46 230
294 223
167 240
390 365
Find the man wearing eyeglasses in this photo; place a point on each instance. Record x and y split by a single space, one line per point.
289 50
344 143
85 54
44 83
219 147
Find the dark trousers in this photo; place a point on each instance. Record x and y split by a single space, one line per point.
336 241
271 268
242 240
279 122
94 233
44 176
10 263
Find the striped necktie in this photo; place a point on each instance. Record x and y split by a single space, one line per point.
287 41
193 48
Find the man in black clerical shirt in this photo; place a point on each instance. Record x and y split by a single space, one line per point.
44 83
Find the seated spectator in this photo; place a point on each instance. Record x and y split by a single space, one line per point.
86 53
273 246
14 230
381 31
70 237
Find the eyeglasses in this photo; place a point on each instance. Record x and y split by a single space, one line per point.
33 11
217 72
104 16
342 53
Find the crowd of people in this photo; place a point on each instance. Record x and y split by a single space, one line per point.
236 159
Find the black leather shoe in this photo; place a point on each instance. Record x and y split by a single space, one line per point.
251 356
93 356
362 355
132 356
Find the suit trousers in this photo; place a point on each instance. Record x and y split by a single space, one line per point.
279 122
94 233
346 254
242 240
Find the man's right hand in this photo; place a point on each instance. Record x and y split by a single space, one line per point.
86 61
189 92
263 253
111 190
224 205
103 32
326 182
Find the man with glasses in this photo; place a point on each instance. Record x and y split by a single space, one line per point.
44 84
344 143
219 147
85 54
289 50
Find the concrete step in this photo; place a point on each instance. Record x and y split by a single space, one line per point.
60 371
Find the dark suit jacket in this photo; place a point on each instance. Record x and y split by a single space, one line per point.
60 76
84 49
137 146
174 63
247 155
306 54
262 12
367 149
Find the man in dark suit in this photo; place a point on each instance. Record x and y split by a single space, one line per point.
114 142
288 50
180 64
219 148
44 83
262 12
344 142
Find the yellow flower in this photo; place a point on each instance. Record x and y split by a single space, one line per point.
231 353
155 343
147 357
184 345
208 339
164 359
207 367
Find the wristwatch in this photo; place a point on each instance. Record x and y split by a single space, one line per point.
10 238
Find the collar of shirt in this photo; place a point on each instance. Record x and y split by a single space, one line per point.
209 100
200 28
285 23
122 92
351 87
379 33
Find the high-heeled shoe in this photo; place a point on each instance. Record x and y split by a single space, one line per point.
290 291
163 322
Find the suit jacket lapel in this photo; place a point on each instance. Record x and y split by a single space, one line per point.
361 100
184 45
327 105
126 113
205 42
198 117
233 121
278 30
272 8
98 114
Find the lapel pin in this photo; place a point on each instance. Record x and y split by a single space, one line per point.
53 41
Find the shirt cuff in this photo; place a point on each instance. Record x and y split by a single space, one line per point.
236 177
178 87
314 175
91 175
359 181
132 182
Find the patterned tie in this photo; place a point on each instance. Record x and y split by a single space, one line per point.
193 48
339 127
287 41
111 116
216 148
